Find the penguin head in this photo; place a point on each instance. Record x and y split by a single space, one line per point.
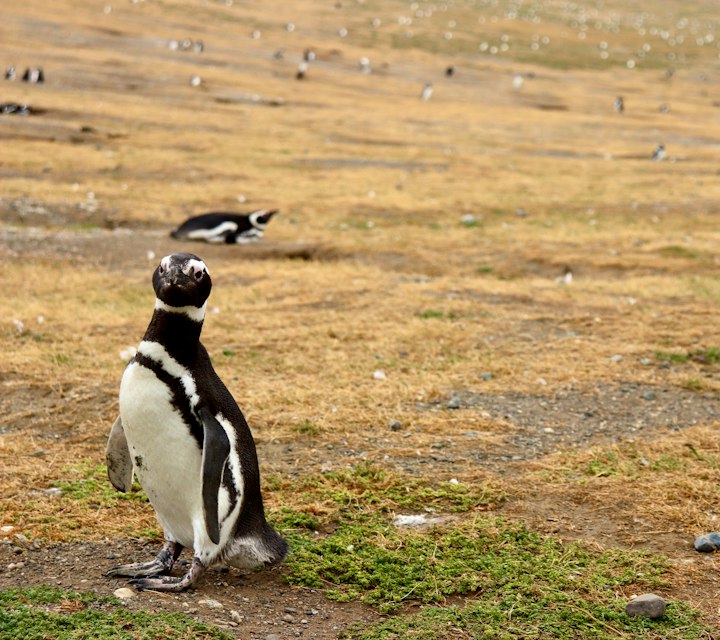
259 219
182 280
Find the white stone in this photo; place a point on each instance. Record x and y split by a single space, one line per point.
212 604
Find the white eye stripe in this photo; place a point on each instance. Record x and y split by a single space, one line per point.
165 263
192 267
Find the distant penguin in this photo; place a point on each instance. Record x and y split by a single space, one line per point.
619 104
10 73
450 71
221 227
309 55
427 92
659 153
301 71
33 75
182 435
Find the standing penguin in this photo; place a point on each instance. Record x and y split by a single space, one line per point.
183 436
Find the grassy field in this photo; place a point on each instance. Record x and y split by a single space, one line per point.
406 338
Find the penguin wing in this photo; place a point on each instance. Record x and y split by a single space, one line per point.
118 459
216 449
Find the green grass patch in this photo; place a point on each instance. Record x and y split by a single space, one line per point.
503 563
467 575
365 490
478 620
41 613
89 483
436 313
709 356
307 428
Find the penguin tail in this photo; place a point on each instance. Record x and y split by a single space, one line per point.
275 545
263 548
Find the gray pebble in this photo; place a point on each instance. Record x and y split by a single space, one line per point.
647 605
395 425
649 395
486 375
616 358
707 543
454 403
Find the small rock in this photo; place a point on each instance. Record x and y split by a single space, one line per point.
645 362
649 395
236 617
272 636
212 604
707 543
124 593
486 375
616 358
379 374
53 492
647 605
287 617
15 565
454 403
395 425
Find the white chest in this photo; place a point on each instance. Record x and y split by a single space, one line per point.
166 457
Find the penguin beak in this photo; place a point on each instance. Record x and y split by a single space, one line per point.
174 275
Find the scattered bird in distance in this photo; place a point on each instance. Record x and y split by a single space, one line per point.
33 75
659 152
619 104
426 92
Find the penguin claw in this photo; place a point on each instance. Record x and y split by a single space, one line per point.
170 583
163 583
140 569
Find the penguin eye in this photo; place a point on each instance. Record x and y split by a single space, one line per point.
199 275
161 269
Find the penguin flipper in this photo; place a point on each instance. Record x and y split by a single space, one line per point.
216 449
118 459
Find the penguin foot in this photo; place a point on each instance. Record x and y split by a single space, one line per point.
169 583
163 563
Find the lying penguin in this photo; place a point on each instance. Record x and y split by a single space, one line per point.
230 228
182 435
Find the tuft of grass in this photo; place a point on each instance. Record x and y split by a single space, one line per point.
307 428
47 612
